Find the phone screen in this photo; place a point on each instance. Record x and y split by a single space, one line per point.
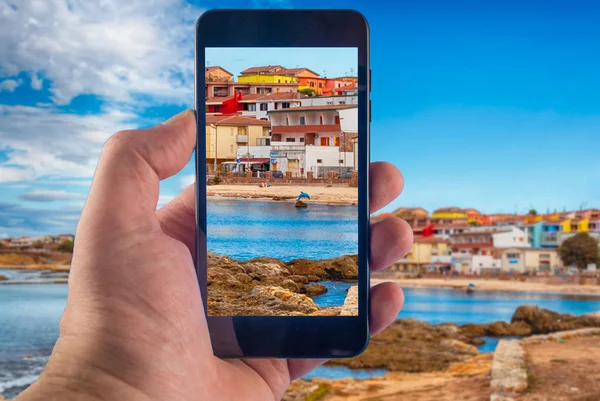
282 181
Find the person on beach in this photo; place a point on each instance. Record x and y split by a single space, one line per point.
134 325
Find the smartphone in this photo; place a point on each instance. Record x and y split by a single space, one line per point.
282 161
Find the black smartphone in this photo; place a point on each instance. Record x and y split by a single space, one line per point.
282 161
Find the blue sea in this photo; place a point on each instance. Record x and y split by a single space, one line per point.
245 229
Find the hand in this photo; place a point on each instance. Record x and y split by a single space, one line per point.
134 325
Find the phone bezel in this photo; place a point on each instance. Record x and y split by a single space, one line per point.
280 336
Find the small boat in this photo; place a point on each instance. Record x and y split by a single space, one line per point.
471 288
299 203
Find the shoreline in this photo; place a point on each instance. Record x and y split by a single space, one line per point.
334 195
54 268
495 286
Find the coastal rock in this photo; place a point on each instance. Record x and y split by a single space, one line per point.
543 321
315 289
341 268
279 299
350 307
409 345
496 329
3 278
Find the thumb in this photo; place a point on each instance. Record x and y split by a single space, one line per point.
125 188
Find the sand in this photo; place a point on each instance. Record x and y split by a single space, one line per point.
493 285
334 195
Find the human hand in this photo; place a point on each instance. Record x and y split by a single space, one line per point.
134 326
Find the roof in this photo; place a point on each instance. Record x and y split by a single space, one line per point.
212 68
455 225
449 209
430 240
469 233
317 108
262 69
235 120
294 71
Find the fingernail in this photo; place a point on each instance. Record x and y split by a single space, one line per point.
177 117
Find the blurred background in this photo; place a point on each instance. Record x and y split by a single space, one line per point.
490 110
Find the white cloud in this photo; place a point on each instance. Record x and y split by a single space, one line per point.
8 85
36 81
163 199
110 48
187 180
47 142
49 195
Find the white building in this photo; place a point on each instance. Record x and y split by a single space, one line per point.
330 100
310 138
259 105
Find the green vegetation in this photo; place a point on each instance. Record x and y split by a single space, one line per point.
532 212
308 92
216 180
66 246
318 393
579 250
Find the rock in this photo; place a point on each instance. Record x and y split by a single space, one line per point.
459 347
341 268
543 321
409 345
477 341
315 289
301 204
350 307
509 369
3 278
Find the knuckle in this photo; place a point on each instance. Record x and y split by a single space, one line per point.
118 142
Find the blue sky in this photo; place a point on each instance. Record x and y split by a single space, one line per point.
492 105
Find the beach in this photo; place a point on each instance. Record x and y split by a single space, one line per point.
496 285
331 195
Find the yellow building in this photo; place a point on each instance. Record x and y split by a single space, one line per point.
224 134
565 226
449 213
579 225
421 253
267 78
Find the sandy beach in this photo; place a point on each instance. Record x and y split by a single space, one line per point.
493 285
334 195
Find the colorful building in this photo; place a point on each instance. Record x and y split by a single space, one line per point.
525 260
533 232
224 134
267 74
310 139
449 213
229 88
422 254
217 74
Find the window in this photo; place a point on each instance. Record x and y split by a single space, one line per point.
279 81
319 160
263 107
290 139
302 121
301 139
341 162
513 255
287 121
215 91
339 85
216 108
330 103
321 120
544 256
285 105
263 142
320 84
312 84
342 102
252 107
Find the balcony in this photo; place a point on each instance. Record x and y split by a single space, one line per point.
248 113
241 138
549 239
301 129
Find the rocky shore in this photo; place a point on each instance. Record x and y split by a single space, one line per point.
410 345
271 287
440 362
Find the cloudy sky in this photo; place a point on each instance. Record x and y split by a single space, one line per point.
480 104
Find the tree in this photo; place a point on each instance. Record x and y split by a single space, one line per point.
66 246
307 91
532 212
579 250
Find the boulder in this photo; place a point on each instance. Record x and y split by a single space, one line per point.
543 321
315 289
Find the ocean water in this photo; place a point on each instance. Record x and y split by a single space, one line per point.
335 295
30 315
246 229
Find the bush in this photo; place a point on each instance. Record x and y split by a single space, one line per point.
216 180
66 246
